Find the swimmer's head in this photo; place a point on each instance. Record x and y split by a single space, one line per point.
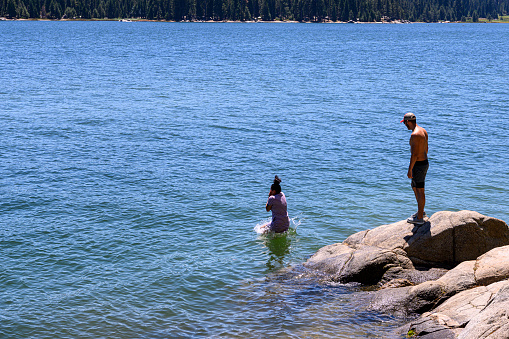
276 185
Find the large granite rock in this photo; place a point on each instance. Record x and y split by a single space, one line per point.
455 237
481 312
413 276
492 266
453 270
488 268
407 300
447 239
493 320
365 264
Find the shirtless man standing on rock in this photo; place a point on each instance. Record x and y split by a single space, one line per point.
418 165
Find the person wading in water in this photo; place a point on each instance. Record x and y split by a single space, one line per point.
418 166
277 204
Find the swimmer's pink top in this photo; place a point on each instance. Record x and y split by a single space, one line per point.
280 220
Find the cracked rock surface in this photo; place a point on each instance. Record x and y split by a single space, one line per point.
481 312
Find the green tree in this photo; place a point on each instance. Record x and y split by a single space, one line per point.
100 10
55 11
11 9
442 14
112 9
43 13
191 13
152 9
266 11
301 10
334 12
22 11
70 13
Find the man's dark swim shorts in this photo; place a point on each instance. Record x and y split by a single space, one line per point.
419 173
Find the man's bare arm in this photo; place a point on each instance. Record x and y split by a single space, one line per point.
414 152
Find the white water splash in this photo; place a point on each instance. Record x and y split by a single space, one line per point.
262 226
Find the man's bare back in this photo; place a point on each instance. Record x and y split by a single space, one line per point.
419 143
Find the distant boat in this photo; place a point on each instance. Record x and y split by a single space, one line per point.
125 20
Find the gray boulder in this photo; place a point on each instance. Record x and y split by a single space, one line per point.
493 320
365 264
448 238
488 268
464 306
404 301
481 312
492 266
455 237
414 276
454 270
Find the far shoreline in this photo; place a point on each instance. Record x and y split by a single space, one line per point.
393 22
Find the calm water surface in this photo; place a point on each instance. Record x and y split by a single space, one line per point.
136 160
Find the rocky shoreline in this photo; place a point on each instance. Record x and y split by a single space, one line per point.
452 272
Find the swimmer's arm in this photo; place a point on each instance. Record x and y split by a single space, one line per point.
267 206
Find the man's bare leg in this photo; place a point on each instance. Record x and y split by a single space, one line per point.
421 201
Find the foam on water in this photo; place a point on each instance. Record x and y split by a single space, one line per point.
261 227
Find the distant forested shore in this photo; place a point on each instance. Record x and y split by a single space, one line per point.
264 10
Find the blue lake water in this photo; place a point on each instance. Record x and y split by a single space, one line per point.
136 159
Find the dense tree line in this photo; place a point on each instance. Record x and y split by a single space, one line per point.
242 10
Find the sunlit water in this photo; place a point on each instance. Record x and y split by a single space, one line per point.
136 159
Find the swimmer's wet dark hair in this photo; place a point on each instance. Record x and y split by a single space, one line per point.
276 185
